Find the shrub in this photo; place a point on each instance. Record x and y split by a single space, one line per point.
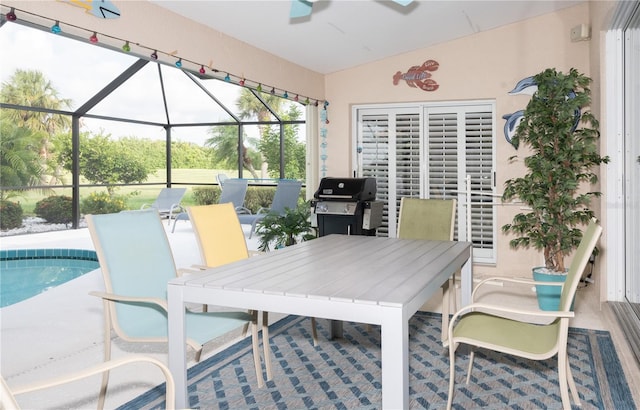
207 195
102 203
10 215
55 209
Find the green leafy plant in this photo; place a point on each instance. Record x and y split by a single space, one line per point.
10 215
285 230
56 209
562 139
103 203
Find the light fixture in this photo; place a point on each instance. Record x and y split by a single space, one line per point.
55 29
285 95
241 82
154 55
227 78
179 63
94 37
259 88
126 47
202 71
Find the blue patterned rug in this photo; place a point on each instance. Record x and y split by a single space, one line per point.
345 373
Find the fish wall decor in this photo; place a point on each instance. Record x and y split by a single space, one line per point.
419 76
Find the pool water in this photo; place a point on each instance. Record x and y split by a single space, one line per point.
26 273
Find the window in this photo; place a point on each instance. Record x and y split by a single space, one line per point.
432 150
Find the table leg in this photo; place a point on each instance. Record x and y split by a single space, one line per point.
177 344
335 329
466 287
395 359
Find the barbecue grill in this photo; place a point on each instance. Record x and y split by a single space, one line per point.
346 206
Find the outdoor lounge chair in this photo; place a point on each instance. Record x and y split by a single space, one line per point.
430 219
168 202
136 262
7 395
496 328
233 190
286 196
221 241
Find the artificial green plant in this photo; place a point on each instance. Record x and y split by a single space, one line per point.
563 142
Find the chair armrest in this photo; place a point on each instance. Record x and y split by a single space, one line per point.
497 310
522 281
100 368
263 211
242 210
119 298
145 206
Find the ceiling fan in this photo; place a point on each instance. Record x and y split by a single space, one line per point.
302 8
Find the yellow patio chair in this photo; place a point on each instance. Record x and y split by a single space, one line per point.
431 219
137 262
7 395
221 241
496 328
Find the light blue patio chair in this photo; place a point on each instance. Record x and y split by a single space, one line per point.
233 190
168 202
286 196
136 262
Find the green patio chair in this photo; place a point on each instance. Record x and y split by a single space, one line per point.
431 219
137 263
519 332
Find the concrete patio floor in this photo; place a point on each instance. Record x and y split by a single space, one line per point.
61 330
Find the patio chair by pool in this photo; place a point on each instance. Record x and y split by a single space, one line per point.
221 241
168 202
136 262
495 327
7 395
233 190
286 196
431 219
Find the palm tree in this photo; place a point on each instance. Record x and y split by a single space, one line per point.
20 164
30 88
224 139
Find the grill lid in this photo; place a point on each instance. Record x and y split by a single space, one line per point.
346 189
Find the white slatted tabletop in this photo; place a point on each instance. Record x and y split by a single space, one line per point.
365 279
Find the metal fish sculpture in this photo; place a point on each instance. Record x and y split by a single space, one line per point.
510 127
528 86
419 76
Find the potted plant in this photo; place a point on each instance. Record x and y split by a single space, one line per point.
562 139
285 229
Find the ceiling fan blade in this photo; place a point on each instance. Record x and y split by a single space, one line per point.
403 2
300 8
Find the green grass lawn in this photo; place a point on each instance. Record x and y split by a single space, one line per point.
137 194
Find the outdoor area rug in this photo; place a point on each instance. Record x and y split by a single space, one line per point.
346 373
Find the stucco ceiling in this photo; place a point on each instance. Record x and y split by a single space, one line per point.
341 34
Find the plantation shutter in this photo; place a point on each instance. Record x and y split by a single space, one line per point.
428 151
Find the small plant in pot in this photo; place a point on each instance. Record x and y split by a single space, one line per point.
285 229
562 139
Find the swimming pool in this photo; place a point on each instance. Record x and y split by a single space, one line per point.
25 273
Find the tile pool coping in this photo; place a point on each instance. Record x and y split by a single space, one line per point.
50 253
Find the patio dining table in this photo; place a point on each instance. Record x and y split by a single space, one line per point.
365 279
